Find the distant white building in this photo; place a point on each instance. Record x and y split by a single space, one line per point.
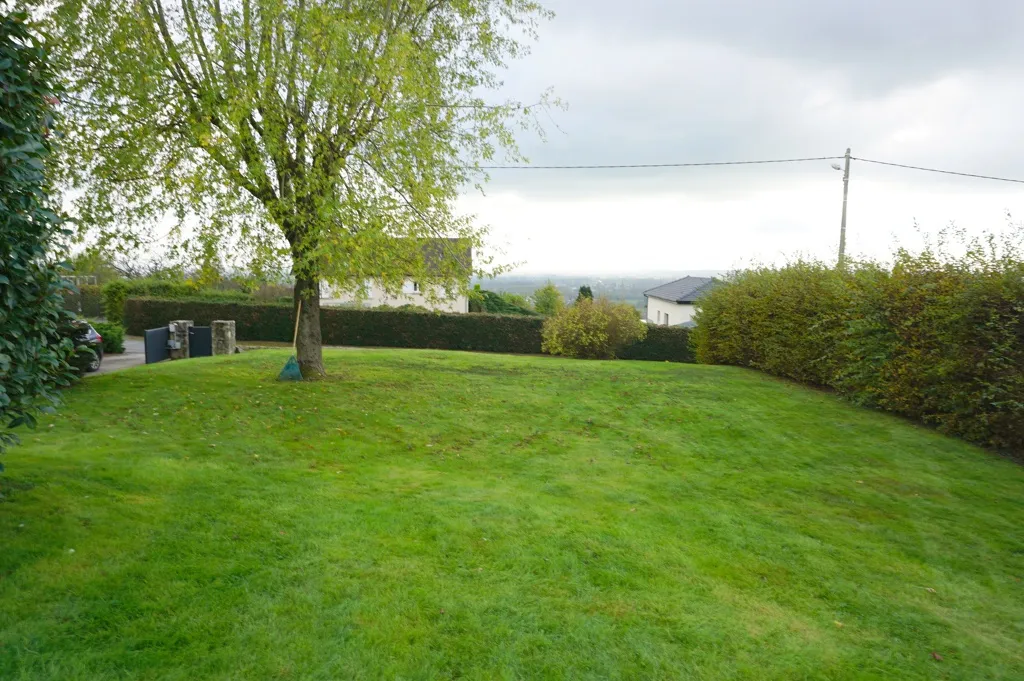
374 295
673 304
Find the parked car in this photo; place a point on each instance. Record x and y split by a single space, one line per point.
89 357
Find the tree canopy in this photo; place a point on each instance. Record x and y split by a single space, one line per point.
332 133
548 300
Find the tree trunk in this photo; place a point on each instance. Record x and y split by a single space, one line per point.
309 344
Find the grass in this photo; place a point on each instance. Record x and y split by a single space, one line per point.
431 515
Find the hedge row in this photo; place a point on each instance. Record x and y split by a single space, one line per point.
86 302
663 344
513 334
118 291
349 326
939 340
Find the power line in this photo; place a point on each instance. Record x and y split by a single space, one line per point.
662 165
628 166
935 170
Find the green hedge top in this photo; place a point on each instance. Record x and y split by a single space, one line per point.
663 344
513 334
350 326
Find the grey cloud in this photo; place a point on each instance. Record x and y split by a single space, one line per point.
878 42
648 82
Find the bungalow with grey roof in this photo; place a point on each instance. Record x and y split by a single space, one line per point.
673 304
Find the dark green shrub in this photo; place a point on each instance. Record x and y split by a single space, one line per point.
87 301
585 293
34 352
662 344
593 329
113 337
92 300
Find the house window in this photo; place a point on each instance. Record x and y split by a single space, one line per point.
410 286
666 319
659 316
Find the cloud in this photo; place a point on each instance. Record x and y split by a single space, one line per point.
936 83
694 81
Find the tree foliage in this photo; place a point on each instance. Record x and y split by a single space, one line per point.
482 300
547 300
585 292
331 133
33 350
593 329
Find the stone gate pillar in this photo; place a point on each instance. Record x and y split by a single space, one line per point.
179 338
223 336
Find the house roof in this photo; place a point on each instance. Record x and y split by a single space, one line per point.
436 251
685 290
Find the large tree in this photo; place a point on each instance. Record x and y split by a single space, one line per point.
334 132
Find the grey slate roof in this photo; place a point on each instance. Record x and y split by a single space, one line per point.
437 250
685 290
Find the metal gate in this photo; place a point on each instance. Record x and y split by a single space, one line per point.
156 344
200 341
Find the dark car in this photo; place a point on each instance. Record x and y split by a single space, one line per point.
89 355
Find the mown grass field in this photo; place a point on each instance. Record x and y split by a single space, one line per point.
432 515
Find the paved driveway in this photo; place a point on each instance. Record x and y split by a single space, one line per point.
133 355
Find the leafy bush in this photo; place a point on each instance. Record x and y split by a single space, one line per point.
113 337
34 353
936 337
593 329
481 300
585 292
516 300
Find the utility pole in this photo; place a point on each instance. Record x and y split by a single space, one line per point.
842 227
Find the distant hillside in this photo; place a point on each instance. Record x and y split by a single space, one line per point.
619 288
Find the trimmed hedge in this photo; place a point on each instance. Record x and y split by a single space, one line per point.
350 326
663 344
88 297
116 292
939 340
513 334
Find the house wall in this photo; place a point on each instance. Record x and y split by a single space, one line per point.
677 313
377 296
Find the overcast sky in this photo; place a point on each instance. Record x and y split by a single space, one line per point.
936 83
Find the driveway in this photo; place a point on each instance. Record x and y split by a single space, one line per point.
133 355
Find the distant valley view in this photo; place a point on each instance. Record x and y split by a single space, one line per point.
628 289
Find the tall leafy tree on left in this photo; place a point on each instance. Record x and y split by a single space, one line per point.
34 347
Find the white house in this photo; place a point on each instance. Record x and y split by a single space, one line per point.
374 295
672 304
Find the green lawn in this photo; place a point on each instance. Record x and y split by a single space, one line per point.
432 515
